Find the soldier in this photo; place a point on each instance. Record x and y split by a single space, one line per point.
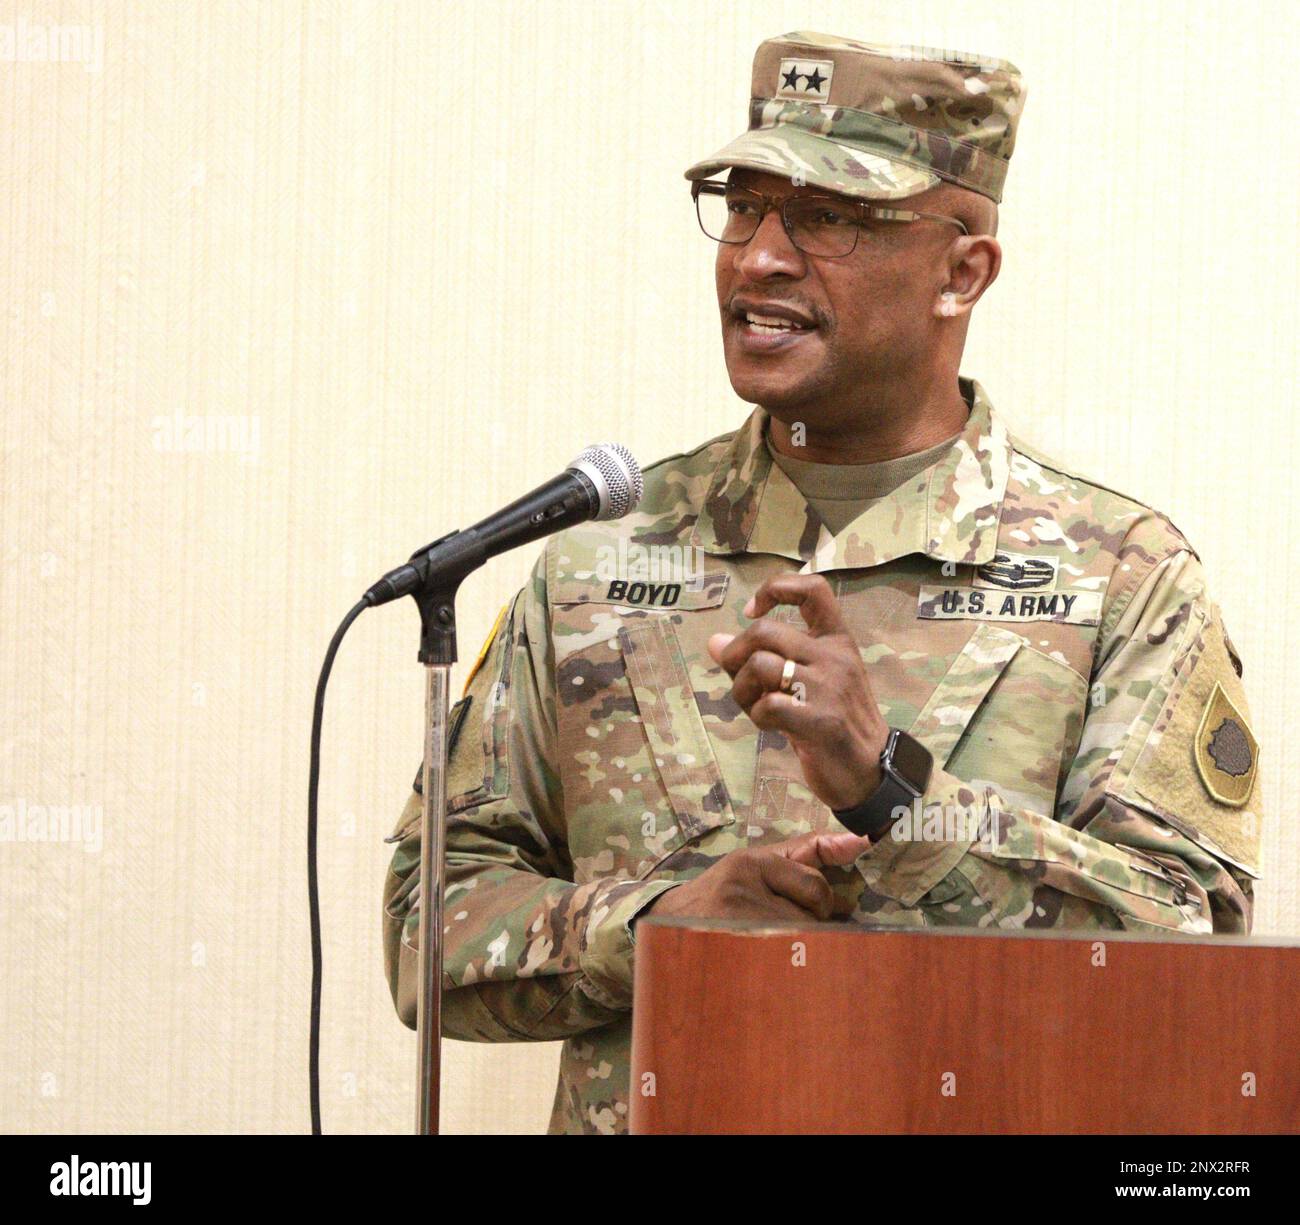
880 614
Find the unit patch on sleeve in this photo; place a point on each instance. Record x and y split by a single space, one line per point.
1198 769
485 648
1226 751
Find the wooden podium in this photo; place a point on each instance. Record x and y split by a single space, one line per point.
740 1028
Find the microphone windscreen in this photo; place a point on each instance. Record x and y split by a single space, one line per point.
616 475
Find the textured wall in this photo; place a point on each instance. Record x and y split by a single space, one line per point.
387 265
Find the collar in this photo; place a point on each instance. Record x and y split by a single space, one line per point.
949 512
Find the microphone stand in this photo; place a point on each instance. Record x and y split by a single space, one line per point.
435 597
603 482
432 576
433 861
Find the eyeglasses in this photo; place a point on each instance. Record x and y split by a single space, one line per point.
825 226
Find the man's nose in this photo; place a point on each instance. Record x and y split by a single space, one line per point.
770 252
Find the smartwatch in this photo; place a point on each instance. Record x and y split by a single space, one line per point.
905 767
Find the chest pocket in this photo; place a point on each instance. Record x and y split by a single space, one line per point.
949 725
695 797
948 712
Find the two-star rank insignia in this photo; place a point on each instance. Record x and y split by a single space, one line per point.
1226 751
809 80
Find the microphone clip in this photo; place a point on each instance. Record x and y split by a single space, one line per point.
442 567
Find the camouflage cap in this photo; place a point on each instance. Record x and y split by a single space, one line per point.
876 121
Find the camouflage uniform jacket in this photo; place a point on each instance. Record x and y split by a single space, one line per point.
1050 641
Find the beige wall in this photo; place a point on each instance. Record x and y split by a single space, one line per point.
422 255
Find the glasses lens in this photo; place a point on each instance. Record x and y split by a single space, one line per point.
730 218
822 225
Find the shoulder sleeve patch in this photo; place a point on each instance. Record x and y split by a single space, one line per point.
485 648
478 761
1227 754
1199 768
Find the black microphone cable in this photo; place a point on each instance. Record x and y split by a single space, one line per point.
313 885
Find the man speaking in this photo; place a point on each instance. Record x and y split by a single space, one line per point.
867 658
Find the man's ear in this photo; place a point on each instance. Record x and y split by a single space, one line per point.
973 265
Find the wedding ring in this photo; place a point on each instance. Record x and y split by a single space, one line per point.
787 676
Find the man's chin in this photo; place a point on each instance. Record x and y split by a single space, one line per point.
774 390
785 376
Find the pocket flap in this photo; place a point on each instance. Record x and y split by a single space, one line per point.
964 686
679 741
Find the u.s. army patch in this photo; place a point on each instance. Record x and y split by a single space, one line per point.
939 603
1226 751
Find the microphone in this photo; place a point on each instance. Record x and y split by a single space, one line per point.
603 482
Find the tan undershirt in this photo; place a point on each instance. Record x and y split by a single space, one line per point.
839 493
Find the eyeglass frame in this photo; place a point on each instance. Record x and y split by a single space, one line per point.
866 212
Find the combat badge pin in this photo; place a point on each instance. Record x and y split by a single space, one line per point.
1017 572
1226 751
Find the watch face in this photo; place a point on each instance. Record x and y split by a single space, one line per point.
911 761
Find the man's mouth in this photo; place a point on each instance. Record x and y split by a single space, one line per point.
773 324
769 327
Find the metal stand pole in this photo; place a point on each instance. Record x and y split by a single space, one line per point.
433 842
462 553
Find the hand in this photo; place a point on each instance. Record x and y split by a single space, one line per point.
831 718
782 882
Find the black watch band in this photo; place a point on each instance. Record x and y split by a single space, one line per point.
905 767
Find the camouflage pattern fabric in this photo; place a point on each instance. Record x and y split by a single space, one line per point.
1050 641
876 121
